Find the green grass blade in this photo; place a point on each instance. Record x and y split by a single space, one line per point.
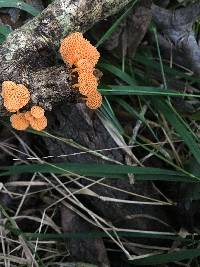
108 113
151 63
118 72
142 90
21 5
179 126
5 30
107 34
160 58
185 254
133 112
97 170
93 234
130 109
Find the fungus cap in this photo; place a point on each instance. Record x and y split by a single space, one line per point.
37 112
19 122
39 124
75 47
94 101
15 96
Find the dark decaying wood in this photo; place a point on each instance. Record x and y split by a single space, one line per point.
83 249
81 125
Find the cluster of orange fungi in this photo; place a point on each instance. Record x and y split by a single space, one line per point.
76 50
16 96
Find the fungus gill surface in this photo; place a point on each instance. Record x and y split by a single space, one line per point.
15 96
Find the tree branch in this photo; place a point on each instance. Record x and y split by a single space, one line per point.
181 16
177 26
35 45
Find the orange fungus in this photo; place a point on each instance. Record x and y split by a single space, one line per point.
87 84
76 50
39 124
28 116
84 66
75 47
15 96
94 101
19 122
37 112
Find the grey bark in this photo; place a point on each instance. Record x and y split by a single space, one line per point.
177 27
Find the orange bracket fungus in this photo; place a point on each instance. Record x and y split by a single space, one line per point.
21 121
15 96
28 115
76 50
84 66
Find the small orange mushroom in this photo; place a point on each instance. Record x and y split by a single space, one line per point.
37 112
15 96
19 122
94 101
75 47
39 124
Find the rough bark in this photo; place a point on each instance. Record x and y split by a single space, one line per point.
177 27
